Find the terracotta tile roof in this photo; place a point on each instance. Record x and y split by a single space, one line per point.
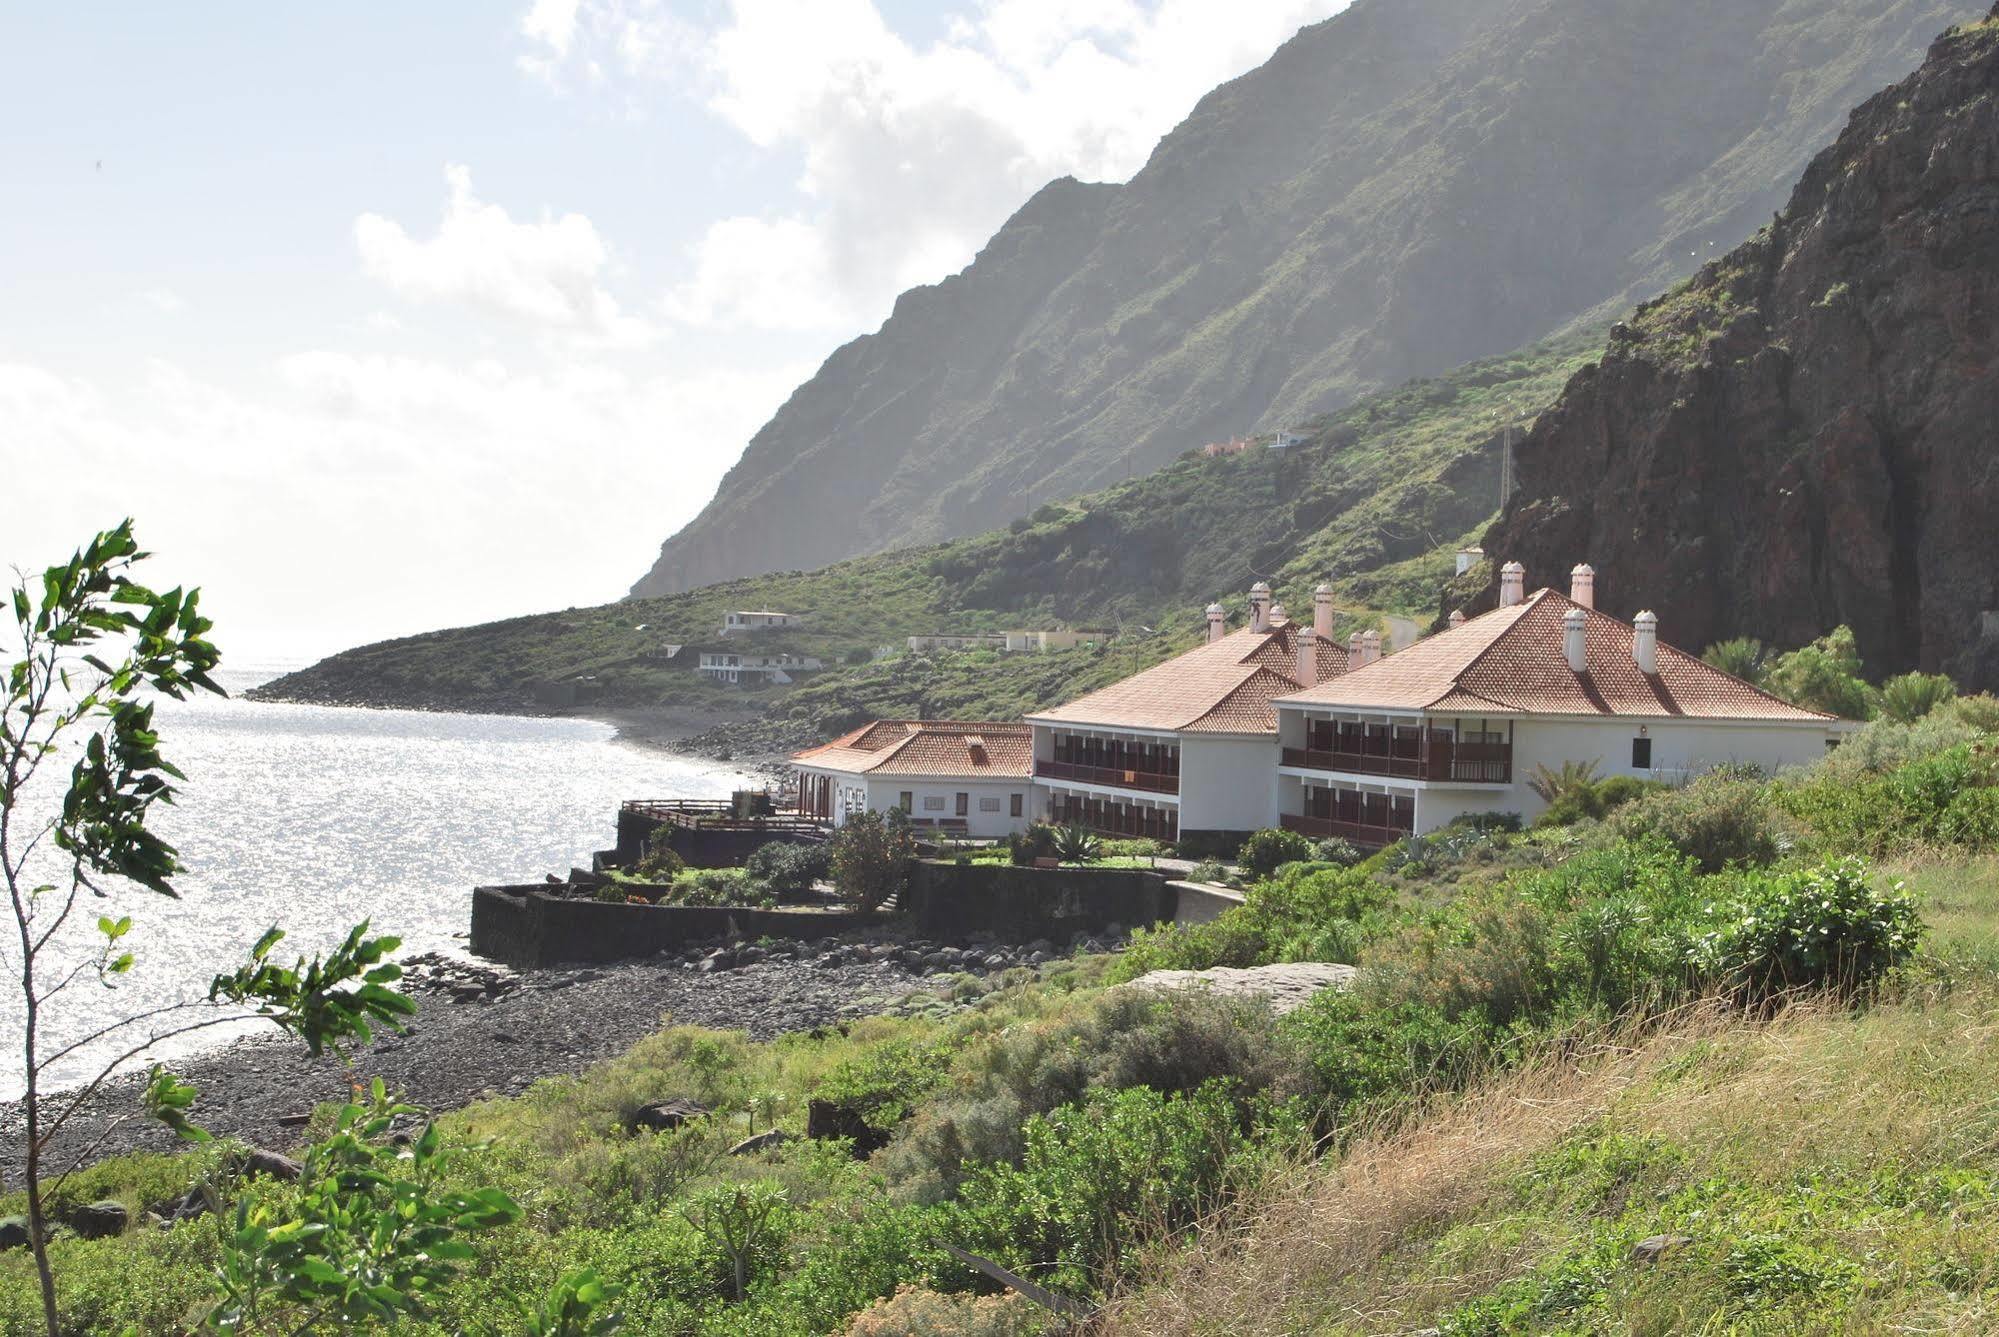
1223 686
972 749
1511 660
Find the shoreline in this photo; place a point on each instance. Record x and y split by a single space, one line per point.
483 1031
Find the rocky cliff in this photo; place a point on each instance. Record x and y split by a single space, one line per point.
1803 434
1405 187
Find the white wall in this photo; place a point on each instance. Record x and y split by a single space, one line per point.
1227 784
885 791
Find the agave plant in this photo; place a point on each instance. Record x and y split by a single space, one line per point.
1077 844
1552 785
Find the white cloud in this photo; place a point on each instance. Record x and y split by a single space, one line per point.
164 300
910 155
346 496
547 273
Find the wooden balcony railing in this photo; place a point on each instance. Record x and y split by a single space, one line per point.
1150 781
1461 763
1360 833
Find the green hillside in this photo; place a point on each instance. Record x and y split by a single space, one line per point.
1376 500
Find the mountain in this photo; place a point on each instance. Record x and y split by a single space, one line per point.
1400 189
1802 435
1375 498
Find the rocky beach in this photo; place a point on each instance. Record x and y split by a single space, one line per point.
483 1030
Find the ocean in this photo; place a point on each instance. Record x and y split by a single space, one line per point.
313 818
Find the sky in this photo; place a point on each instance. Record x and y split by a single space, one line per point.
385 317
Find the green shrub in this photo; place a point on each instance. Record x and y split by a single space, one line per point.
1574 777
1077 844
1619 790
1824 675
1715 821
1910 805
869 857
1136 848
1307 912
1909 697
1489 823
1212 871
886 1082
1980 712
1265 851
787 870
1037 842
659 862
1744 657
911 1312
1338 851
717 886
1824 927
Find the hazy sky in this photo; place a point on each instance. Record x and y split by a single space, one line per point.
385 317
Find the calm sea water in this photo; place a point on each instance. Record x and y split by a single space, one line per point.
314 818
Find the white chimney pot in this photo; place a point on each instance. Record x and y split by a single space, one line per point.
1575 639
1370 646
1218 622
1512 584
1308 657
1259 607
1582 585
1322 611
1457 617
1645 642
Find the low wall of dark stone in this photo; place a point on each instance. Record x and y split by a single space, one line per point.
526 927
1020 904
698 847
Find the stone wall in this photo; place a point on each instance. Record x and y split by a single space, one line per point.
1021 904
704 847
526 927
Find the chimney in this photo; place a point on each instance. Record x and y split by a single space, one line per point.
1322 611
1645 642
1512 584
1218 623
1575 639
1370 646
1457 617
1277 614
1308 658
1355 652
1259 607
1582 585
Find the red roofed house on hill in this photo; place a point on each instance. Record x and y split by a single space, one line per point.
1457 723
971 779
1187 746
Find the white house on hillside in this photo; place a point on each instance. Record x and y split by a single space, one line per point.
1457 723
973 779
736 623
1189 745
726 667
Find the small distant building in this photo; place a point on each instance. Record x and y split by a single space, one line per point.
1469 558
737 623
739 668
975 641
1287 439
975 779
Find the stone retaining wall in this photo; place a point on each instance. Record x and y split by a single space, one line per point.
526 927
704 847
1019 904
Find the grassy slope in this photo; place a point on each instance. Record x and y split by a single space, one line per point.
1829 1172
1377 501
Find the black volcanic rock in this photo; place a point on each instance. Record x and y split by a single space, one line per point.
1803 435
1405 187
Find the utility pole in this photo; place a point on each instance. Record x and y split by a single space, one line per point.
1505 466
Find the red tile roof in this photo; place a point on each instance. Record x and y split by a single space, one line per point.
1223 686
1512 661
959 748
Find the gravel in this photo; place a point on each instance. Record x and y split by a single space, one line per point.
485 1031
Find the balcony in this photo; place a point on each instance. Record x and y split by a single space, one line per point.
1152 782
1360 833
1116 819
1436 759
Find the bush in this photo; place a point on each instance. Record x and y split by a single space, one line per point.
1305 913
1211 871
1267 850
1980 712
1491 823
1909 697
787 870
1825 927
717 886
1619 790
660 863
1824 675
1077 844
1860 813
1338 851
1136 848
918 1313
1037 842
1715 821
869 857
1744 657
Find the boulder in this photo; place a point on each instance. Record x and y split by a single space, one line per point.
668 1114
764 1141
262 1162
100 1220
13 1232
1655 1247
1287 987
825 1119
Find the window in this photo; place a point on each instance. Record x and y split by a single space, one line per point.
907 802
1641 754
933 803
990 805
964 804
1014 811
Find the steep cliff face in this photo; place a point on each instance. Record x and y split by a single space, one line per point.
1406 187
1804 434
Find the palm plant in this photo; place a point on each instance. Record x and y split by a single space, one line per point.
1744 657
1909 697
1077 844
1574 776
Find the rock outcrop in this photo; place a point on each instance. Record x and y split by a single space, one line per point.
1403 188
1804 434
